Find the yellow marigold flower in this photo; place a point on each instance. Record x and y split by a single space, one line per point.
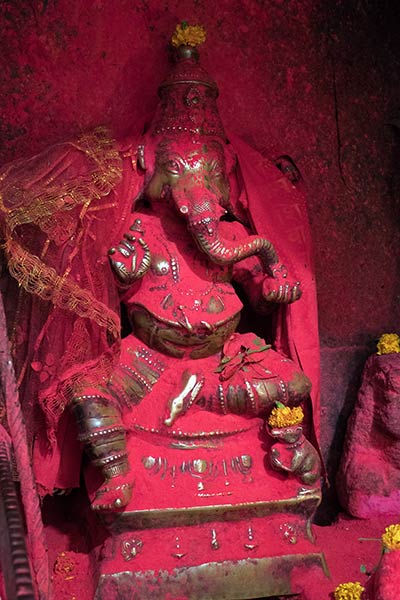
188 35
283 416
388 343
349 591
391 537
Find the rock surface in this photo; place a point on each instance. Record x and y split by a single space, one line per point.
385 583
369 475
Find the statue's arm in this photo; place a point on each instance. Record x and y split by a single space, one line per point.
276 461
130 259
264 290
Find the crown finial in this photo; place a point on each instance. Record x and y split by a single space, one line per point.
188 94
188 35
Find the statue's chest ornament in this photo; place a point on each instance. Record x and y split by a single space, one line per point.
163 266
160 265
187 287
180 296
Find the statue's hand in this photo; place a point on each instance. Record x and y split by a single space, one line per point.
179 405
278 288
275 459
131 259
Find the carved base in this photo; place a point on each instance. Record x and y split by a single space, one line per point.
208 520
227 580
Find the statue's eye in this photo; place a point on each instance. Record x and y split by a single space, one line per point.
173 167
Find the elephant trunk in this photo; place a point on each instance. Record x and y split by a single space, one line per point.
205 229
226 252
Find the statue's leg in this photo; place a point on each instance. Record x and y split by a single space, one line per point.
103 435
256 388
251 378
248 384
100 412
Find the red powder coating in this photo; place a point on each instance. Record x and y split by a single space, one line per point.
289 77
369 474
342 543
385 584
318 85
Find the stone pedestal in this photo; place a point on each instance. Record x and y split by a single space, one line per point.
368 481
209 519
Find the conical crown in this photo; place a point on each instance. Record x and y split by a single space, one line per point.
187 98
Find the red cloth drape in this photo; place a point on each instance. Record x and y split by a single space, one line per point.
278 211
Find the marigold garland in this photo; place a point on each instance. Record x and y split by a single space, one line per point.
188 35
388 343
391 537
349 591
283 416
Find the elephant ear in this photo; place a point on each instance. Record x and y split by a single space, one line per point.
236 205
146 155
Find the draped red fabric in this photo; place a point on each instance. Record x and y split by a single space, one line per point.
61 211
278 211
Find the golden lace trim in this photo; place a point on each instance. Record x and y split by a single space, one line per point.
31 272
39 279
96 375
55 198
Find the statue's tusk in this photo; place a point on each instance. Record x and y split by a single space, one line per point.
177 403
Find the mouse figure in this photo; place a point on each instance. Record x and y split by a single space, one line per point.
294 454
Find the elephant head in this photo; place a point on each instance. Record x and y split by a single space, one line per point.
192 172
188 152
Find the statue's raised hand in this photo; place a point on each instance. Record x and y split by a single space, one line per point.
279 288
131 258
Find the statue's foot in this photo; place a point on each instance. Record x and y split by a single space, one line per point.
113 494
308 491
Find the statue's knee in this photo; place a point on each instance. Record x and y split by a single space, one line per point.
299 387
94 410
102 433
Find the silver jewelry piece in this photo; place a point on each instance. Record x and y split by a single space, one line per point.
250 545
130 548
214 541
178 554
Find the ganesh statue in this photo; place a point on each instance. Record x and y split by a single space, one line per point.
183 228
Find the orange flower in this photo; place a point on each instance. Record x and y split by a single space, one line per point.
388 343
283 416
64 564
349 591
188 35
391 537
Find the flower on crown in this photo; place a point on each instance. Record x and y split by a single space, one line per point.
388 343
188 35
284 416
349 591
